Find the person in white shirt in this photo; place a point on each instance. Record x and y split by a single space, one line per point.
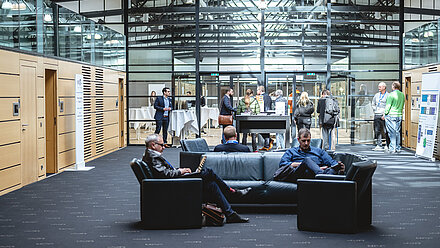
379 102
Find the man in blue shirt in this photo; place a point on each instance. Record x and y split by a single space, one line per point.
308 161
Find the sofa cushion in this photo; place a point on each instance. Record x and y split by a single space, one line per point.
236 166
195 145
270 192
271 162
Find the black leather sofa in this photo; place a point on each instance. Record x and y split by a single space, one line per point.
242 170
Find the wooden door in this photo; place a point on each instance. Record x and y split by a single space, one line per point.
121 108
51 121
28 115
406 131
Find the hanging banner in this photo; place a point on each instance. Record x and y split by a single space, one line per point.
429 106
79 125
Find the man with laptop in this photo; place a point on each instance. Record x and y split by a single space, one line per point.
214 188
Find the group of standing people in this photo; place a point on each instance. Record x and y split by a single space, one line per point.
388 112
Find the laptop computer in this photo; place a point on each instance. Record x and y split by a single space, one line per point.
199 168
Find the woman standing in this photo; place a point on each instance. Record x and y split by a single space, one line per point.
303 112
249 105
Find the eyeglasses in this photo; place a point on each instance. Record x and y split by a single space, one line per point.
162 145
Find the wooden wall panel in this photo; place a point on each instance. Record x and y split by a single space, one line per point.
10 177
110 103
41 148
40 86
9 85
40 107
66 142
41 167
66 124
9 132
6 106
111 117
111 89
66 88
9 155
66 159
110 76
69 106
111 144
111 130
67 70
41 128
9 62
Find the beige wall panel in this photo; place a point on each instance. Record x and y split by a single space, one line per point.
110 76
66 124
40 107
41 128
28 57
110 89
41 167
9 62
9 132
66 87
111 117
40 86
68 69
9 85
111 144
6 107
9 155
41 148
93 120
69 106
110 103
66 142
111 130
48 62
10 177
413 142
66 159
416 88
415 115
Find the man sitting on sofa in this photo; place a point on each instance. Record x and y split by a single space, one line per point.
213 186
231 144
308 161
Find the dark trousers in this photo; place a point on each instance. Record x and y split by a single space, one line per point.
214 189
254 140
162 124
380 131
308 169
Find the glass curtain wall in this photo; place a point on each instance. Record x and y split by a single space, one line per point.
43 27
346 46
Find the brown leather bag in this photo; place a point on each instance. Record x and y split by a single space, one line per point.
225 120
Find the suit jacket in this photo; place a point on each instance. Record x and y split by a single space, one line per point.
226 107
159 105
159 166
267 102
231 147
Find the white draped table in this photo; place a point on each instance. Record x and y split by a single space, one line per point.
141 114
182 121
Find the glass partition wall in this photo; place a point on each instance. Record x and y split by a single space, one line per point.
206 47
43 27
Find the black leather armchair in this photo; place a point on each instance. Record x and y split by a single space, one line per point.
194 145
168 203
313 142
192 150
348 200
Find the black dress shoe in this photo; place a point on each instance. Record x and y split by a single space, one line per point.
242 192
235 218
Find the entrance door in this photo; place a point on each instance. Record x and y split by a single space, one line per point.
121 108
28 102
51 121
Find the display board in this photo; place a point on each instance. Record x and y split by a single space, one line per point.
429 105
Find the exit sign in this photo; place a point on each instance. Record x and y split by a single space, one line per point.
214 74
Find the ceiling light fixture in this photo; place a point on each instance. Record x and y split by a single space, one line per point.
47 18
263 4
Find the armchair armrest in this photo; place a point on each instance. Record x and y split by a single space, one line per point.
329 177
327 205
171 203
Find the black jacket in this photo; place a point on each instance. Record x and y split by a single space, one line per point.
226 106
304 111
159 166
231 147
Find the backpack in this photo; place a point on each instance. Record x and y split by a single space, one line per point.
331 111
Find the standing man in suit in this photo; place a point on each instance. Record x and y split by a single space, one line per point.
163 106
226 108
265 103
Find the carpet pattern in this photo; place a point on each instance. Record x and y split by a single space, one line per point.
100 208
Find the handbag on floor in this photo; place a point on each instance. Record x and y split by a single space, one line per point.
225 120
212 215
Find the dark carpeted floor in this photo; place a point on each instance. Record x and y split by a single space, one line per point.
100 208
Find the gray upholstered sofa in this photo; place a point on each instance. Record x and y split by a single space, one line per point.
242 170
